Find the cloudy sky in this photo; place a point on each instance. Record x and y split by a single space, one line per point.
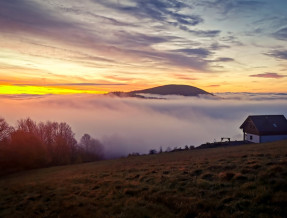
95 46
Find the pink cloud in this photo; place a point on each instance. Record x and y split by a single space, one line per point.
216 85
269 75
184 77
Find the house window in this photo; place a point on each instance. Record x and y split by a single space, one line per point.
251 137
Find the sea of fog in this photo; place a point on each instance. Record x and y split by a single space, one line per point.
126 125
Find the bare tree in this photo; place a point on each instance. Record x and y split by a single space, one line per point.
93 148
58 139
32 145
5 131
152 151
26 151
27 125
5 139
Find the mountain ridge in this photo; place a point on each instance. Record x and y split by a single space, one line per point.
171 89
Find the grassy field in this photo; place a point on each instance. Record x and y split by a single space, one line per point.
242 181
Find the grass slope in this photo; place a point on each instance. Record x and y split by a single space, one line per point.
242 181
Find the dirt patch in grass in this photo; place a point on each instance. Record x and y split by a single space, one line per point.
208 177
226 175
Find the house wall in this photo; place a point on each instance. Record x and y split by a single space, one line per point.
252 138
272 138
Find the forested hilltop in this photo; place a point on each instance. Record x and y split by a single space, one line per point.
179 90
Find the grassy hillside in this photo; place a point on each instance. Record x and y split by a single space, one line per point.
242 181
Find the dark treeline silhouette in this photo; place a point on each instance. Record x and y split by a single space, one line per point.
175 149
33 145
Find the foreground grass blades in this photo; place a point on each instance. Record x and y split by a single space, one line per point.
242 181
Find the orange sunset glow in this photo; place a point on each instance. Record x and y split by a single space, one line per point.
102 46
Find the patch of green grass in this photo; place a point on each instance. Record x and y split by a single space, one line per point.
241 181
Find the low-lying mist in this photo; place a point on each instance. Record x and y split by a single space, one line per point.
127 125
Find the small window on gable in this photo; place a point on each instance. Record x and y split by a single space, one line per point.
251 137
275 125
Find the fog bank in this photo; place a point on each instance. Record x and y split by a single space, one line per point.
126 125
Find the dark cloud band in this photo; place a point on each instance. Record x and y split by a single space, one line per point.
269 75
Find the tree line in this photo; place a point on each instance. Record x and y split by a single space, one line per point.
31 145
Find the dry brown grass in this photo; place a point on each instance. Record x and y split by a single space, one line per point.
242 181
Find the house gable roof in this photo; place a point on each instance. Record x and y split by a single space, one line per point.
266 124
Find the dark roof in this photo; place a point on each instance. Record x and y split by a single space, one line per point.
267 124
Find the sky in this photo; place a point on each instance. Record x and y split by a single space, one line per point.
128 125
97 46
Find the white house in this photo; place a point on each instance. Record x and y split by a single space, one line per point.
264 128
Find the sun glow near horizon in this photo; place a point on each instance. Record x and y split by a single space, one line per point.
44 90
38 90
104 47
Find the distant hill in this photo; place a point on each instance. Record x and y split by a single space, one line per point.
183 90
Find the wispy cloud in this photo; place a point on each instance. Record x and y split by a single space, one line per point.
164 13
218 46
140 39
214 85
200 52
279 54
269 75
281 34
231 39
30 17
160 10
201 33
25 14
185 77
227 6
206 33
121 45
223 59
72 84
23 97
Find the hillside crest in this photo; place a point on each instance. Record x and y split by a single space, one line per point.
183 90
